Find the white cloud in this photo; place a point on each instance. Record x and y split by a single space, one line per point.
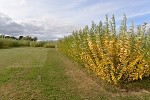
56 18
22 2
46 27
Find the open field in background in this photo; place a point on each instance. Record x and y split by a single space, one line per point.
45 74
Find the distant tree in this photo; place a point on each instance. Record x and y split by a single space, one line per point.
7 37
12 37
34 39
20 37
28 38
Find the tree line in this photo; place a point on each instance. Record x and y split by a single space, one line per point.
20 38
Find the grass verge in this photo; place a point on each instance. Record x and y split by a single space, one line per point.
46 74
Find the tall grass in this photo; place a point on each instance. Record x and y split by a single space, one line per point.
18 43
116 57
50 44
14 43
37 44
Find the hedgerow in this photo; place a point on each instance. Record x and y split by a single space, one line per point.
115 55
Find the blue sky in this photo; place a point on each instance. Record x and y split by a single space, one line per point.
53 19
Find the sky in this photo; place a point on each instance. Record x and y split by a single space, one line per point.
54 19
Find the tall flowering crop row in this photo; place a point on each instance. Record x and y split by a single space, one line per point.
115 56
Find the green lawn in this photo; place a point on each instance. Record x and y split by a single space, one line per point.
46 74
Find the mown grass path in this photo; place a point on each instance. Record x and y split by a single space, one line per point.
46 74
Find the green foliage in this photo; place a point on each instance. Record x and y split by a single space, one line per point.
46 44
18 43
115 57
49 45
0 43
13 43
24 43
35 44
29 38
9 43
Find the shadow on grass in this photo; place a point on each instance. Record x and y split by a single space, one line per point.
137 85
133 86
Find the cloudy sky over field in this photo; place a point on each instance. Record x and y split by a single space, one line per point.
52 19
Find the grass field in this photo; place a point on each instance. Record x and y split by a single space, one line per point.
46 74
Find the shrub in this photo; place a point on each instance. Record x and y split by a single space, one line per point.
13 43
7 42
37 44
49 45
114 57
24 43
0 43
33 44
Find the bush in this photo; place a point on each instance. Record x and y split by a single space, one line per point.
115 57
8 43
24 43
13 43
37 44
49 45
0 43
